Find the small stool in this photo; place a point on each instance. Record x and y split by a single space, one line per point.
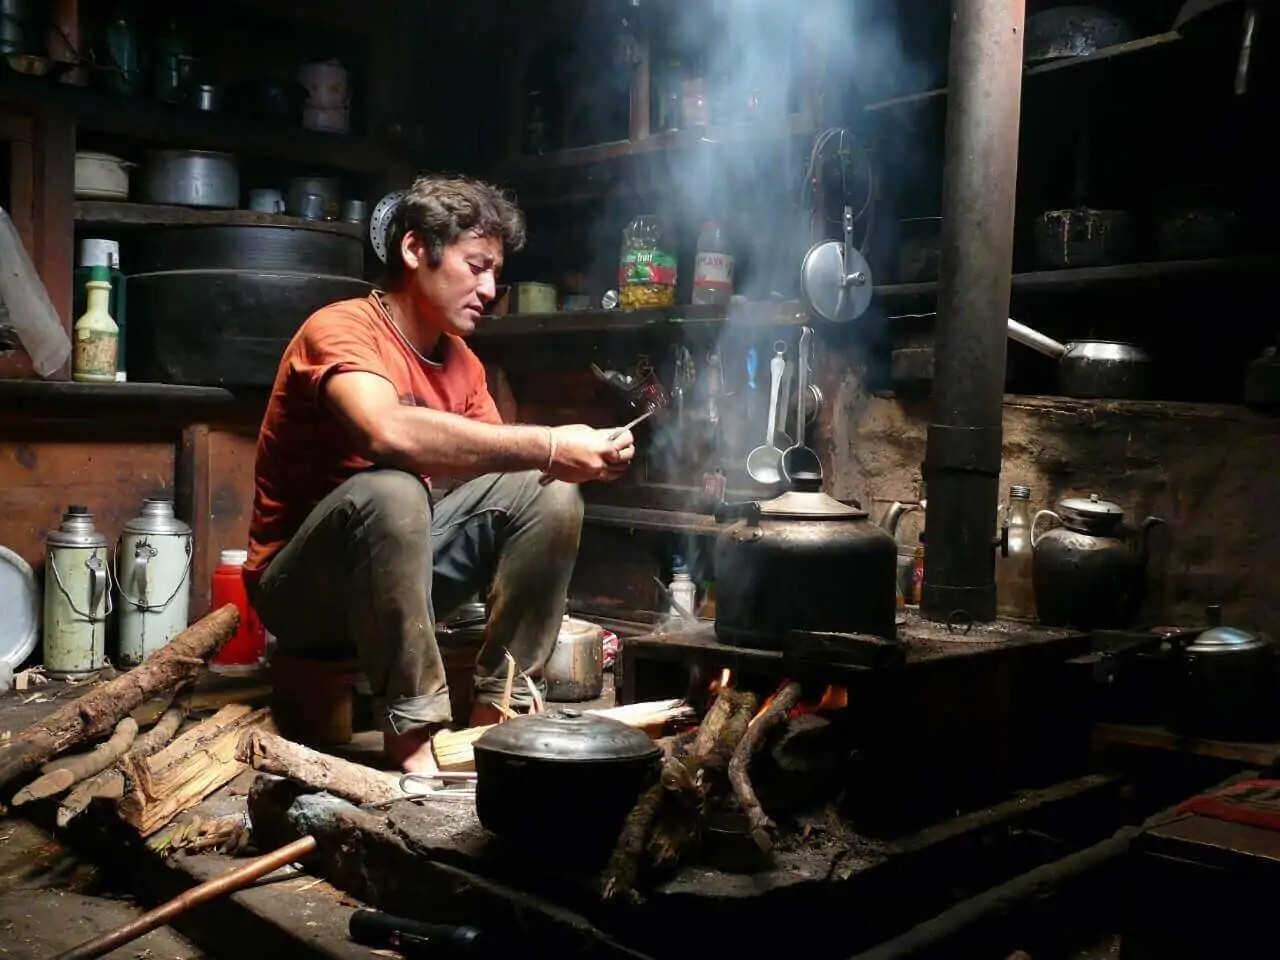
313 701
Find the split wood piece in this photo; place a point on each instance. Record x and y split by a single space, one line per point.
268 753
200 761
775 714
71 770
94 714
452 749
370 857
664 820
109 784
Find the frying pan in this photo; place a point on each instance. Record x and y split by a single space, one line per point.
1091 369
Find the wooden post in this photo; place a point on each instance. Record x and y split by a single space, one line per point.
191 495
640 87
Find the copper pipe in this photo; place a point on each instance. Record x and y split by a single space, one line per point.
229 882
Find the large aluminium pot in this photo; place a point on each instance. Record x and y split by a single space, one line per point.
1092 369
191 178
1225 684
562 778
802 562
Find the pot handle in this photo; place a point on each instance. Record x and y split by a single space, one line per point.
1036 520
1035 340
748 510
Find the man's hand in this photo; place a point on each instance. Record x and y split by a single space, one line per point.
584 453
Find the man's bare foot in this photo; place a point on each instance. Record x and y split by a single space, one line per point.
484 714
411 751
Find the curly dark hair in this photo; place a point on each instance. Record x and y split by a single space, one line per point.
442 209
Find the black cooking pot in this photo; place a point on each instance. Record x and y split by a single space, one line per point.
1225 683
562 775
802 562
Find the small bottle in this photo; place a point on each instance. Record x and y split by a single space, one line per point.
684 592
247 648
97 338
1014 595
713 268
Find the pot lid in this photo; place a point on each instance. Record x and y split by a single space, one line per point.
20 601
1223 639
1094 508
808 502
157 519
571 735
76 530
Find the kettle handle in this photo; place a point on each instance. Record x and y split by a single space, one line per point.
1036 520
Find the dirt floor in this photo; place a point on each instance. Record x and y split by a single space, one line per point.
50 902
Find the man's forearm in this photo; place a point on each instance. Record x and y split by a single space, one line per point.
430 442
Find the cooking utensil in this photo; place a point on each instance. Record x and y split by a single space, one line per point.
266 201
535 298
327 187
1082 236
802 562
798 458
380 222
546 479
1091 369
191 178
764 463
835 279
1193 9
206 97
354 211
575 670
310 206
20 599
562 773
1072 31
101 176
1089 573
1225 683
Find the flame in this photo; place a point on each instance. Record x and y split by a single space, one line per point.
835 697
723 682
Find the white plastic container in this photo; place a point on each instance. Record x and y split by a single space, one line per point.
27 304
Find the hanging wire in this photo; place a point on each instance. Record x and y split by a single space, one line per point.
853 161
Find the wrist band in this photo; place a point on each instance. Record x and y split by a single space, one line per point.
551 453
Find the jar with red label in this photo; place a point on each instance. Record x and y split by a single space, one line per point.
246 649
713 268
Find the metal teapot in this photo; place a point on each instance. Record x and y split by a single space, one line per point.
1090 572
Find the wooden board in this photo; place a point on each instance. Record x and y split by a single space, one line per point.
41 478
105 213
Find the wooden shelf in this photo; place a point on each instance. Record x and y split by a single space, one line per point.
1053 66
1042 281
192 129
15 392
107 213
691 138
762 314
644 518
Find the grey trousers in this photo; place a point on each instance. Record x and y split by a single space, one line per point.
375 561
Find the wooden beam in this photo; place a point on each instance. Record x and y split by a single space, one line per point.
54 216
191 496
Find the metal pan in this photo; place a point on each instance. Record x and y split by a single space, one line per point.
1091 369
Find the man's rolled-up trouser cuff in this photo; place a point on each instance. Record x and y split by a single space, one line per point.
490 690
411 713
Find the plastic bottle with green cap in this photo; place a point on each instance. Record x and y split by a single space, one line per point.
97 338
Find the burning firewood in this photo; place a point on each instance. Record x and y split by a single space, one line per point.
664 820
774 713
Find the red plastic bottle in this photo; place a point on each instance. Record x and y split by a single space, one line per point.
248 647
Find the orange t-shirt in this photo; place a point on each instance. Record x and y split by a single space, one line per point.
303 450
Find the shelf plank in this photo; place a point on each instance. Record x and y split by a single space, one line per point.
107 213
14 392
192 129
1086 277
644 518
1051 66
762 314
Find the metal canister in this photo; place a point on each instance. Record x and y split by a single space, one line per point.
153 574
575 670
77 597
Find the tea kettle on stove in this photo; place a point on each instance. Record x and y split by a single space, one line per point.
1090 572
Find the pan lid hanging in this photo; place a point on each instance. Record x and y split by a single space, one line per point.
380 222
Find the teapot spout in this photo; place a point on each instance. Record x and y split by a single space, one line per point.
893 516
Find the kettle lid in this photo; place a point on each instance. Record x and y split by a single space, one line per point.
157 519
1093 508
806 501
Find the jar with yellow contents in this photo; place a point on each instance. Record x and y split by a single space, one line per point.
647 267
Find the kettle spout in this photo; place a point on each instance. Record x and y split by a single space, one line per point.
893 516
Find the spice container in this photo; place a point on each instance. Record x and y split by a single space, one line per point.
713 269
647 268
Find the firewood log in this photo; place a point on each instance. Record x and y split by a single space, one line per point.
71 770
774 715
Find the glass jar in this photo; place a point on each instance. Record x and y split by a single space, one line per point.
646 268
713 268
1014 596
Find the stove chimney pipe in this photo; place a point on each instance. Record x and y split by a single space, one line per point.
962 460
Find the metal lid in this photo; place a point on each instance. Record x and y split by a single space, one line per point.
1225 639
20 601
76 530
568 735
1094 508
157 519
1019 492
233 558
808 502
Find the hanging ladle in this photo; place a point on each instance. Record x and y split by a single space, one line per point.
765 461
799 459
